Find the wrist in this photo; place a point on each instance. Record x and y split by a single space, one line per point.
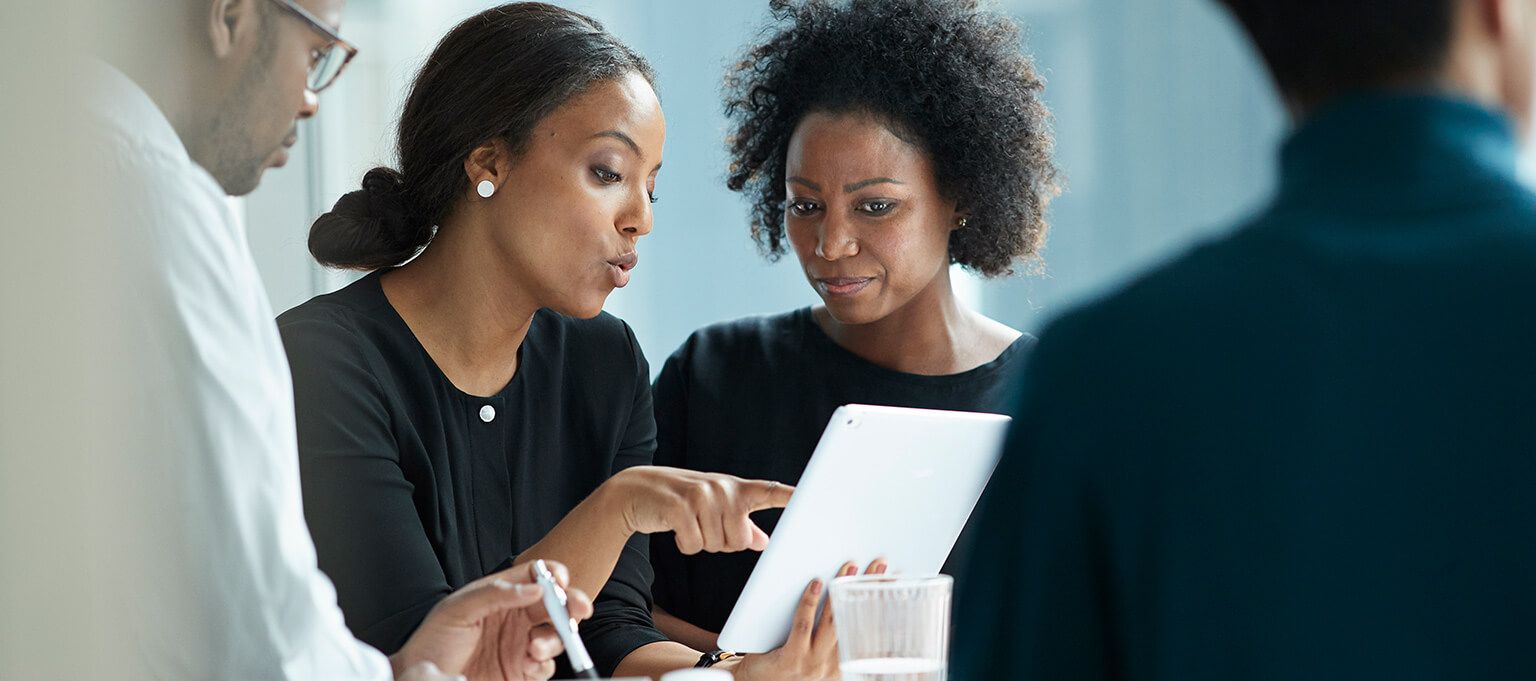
729 664
614 502
715 658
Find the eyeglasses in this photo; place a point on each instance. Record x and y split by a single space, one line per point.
326 63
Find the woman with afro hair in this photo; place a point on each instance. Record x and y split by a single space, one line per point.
880 141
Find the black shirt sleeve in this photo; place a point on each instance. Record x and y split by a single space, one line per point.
357 501
671 450
621 621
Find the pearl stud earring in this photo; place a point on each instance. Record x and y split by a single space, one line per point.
485 189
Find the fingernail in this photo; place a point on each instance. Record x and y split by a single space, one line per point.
527 589
815 586
502 584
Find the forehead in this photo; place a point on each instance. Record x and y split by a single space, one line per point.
626 104
327 11
850 144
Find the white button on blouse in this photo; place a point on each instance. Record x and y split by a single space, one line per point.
487 413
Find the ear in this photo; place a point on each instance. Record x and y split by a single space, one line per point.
231 23
959 219
488 161
1515 19
1499 19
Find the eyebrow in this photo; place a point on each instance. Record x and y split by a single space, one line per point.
865 183
800 180
626 139
847 187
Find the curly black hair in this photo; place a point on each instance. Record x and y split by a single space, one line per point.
942 74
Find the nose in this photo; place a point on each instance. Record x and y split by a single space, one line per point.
835 239
636 220
311 104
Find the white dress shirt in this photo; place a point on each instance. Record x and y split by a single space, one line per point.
220 577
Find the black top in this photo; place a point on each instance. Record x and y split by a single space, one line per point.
413 488
1301 451
751 398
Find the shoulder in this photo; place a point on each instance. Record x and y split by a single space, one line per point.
1500 242
997 342
332 328
155 186
1168 311
748 340
177 222
334 313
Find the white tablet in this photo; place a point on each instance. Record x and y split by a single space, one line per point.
883 481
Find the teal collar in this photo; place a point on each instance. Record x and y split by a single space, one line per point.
1389 153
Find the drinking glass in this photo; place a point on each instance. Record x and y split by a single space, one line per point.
892 627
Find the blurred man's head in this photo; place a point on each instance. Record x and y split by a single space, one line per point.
255 84
234 77
1320 49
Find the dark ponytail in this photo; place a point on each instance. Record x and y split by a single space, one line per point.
370 228
493 77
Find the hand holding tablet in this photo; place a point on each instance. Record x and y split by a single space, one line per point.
810 652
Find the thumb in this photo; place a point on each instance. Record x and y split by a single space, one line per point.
759 539
489 596
761 494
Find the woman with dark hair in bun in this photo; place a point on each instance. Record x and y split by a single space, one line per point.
467 405
882 141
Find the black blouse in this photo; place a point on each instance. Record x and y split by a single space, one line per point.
751 398
413 488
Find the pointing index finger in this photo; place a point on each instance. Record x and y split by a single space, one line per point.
768 494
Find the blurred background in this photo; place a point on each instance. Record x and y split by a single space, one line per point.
1165 128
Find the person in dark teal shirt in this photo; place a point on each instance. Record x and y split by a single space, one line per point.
1305 449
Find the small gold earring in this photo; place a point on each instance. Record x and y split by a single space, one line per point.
960 223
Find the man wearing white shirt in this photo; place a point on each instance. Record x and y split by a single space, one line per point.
199 562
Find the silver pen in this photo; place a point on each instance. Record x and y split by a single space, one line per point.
565 625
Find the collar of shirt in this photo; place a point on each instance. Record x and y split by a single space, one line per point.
1385 153
125 112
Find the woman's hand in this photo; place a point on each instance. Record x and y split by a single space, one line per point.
810 654
708 511
492 629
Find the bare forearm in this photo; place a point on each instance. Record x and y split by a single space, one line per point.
683 631
588 540
658 658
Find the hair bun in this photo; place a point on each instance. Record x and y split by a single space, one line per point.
369 228
382 198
